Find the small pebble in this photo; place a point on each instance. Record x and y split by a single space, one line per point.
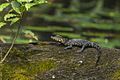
53 76
80 61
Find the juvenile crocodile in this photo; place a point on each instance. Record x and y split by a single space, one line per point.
77 42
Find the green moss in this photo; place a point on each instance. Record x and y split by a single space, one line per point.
26 71
39 67
116 75
0 71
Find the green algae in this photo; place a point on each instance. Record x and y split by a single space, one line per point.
26 71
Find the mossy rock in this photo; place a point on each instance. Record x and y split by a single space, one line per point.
52 62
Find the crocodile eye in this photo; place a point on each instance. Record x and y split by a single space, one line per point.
60 40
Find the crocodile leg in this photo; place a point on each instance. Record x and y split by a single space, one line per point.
83 47
68 47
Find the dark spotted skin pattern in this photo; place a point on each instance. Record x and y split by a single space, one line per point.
81 43
78 42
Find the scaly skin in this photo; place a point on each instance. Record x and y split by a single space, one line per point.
77 42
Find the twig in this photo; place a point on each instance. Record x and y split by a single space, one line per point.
14 39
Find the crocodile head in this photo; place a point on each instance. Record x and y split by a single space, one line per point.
59 38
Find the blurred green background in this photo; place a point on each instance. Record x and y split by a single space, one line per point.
94 20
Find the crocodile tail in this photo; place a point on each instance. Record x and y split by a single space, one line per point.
98 53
